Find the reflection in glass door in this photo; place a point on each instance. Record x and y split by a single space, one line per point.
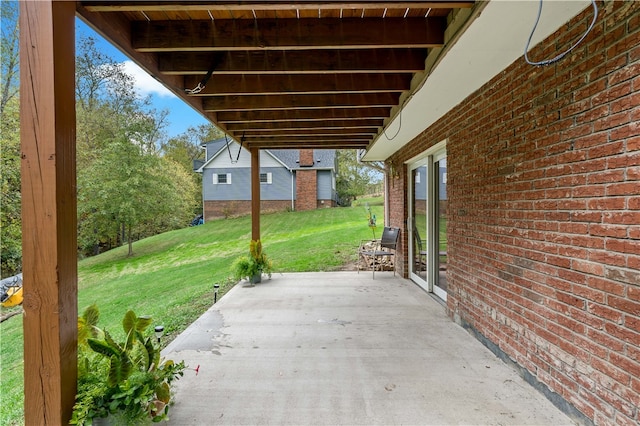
428 222
440 222
419 225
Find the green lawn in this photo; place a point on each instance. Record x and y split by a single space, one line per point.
368 201
171 276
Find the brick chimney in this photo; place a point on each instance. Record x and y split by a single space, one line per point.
306 158
306 183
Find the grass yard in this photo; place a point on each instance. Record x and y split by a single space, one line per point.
171 276
368 200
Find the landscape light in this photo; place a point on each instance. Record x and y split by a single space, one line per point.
159 331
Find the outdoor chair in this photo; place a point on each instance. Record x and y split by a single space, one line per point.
371 253
420 252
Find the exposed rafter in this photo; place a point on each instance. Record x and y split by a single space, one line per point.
222 85
294 62
283 34
325 115
308 141
279 125
239 103
148 6
280 73
304 133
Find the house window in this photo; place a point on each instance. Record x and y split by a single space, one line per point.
222 178
265 178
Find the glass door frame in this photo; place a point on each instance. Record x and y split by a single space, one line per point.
428 159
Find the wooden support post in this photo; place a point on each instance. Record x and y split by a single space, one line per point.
49 242
255 193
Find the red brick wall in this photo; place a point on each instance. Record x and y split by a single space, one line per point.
544 213
306 190
325 204
224 209
398 208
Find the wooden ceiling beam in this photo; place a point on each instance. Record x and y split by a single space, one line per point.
300 84
287 34
280 125
321 144
304 139
256 102
368 132
194 5
327 114
294 62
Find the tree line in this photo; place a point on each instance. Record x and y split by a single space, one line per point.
132 180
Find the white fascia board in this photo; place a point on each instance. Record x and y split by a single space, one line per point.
277 159
493 41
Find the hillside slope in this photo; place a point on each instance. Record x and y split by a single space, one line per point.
171 276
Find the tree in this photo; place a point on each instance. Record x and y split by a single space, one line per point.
187 147
9 53
108 103
134 190
355 178
126 190
10 214
182 151
178 196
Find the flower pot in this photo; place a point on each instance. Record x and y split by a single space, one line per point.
103 421
256 278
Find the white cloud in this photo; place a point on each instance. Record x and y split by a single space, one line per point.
146 84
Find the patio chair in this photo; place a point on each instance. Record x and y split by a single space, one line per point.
420 254
372 252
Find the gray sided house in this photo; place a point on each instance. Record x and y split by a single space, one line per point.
289 179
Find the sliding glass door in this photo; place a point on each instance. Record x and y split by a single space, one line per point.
440 225
427 221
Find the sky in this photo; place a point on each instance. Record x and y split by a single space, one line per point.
181 115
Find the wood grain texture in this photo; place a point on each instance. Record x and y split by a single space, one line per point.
262 6
229 85
262 102
47 112
293 62
326 114
290 34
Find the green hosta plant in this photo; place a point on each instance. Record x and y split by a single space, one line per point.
125 379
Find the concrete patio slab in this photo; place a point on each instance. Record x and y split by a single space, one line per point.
342 348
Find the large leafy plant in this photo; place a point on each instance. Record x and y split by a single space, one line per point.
125 379
256 263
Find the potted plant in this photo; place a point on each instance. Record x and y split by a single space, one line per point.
125 382
252 267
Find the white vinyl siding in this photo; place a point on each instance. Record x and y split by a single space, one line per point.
266 178
222 159
222 178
